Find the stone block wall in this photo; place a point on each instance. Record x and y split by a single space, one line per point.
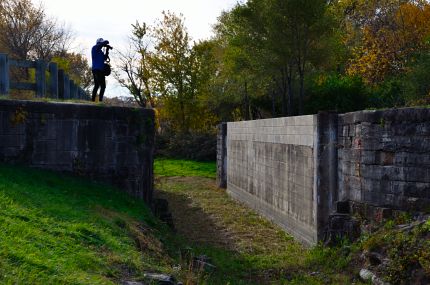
384 158
270 167
294 170
109 144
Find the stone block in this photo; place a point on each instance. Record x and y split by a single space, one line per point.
342 207
12 141
415 190
423 129
10 154
412 159
45 146
67 135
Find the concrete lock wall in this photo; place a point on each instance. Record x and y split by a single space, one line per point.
270 167
109 144
294 170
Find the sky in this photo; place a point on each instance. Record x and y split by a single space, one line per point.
111 20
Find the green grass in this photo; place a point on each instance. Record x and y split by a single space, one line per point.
57 229
246 248
175 167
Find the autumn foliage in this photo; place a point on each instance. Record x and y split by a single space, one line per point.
388 46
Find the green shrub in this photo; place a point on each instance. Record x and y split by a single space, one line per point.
192 146
388 94
336 93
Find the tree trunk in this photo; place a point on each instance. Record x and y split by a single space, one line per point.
290 91
273 103
246 103
302 93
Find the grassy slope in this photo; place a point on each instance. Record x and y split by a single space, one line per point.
57 229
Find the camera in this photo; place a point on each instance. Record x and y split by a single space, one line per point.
108 47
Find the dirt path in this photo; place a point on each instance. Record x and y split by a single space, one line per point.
190 219
205 214
251 247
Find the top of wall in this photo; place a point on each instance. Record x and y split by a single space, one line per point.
288 130
392 115
76 110
308 120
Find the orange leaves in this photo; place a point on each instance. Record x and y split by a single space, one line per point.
386 48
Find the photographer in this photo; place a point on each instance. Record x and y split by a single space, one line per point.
98 65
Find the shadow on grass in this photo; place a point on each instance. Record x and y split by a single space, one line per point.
202 235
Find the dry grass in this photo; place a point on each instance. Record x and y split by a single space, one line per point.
208 218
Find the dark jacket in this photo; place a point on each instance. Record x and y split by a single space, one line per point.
97 56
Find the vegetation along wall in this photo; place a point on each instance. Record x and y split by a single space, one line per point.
108 144
294 170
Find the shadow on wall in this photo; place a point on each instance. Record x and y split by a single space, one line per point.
111 144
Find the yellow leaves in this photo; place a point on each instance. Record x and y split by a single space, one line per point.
322 78
373 59
385 46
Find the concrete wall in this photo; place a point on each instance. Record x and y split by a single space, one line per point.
384 158
294 170
110 144
270 167
221 153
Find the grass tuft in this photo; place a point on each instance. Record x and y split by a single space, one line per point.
176 167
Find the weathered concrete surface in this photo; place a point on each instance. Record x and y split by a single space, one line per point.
270 167
384 158
294 170
325 175
110 144
222 156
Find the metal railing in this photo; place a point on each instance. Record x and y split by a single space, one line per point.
57 86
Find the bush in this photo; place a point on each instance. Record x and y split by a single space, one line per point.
193 146
388 94
336 93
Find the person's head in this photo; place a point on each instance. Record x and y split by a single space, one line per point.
101 41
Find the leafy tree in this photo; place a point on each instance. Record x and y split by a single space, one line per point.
336 93
172 65
308 23
27 33
76 66
135 68
271 44
245 61
388 34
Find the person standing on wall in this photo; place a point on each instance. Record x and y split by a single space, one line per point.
98 58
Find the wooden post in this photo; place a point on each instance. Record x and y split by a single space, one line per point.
4 74
73 90
84 95
40 79
81 93
66 87
53 84
61 83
